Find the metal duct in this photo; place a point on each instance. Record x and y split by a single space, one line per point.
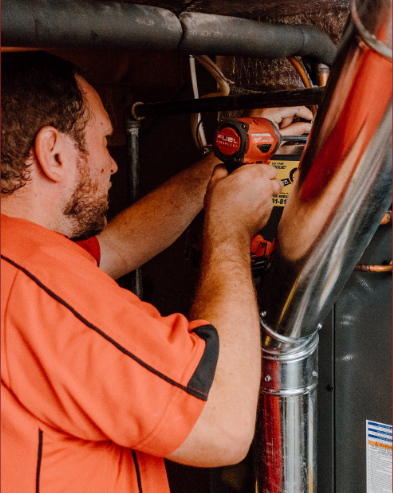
342 192
222 35
111 25
82 24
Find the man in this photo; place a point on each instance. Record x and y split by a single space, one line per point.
97 387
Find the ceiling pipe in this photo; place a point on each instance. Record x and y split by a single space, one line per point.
83 24
337 201
110 25
222 35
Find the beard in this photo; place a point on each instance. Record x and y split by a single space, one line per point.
87 207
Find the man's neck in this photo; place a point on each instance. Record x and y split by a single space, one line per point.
22 206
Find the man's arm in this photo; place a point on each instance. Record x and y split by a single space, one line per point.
154 222
237 207
146 228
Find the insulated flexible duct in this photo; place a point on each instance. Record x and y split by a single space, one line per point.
82 24
222 35
111 25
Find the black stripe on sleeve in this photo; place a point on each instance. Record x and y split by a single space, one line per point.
203 376
138 472
193 391
39 459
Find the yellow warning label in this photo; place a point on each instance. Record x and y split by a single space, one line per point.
285 172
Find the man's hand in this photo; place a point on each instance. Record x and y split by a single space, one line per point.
160 217
283 118
241 201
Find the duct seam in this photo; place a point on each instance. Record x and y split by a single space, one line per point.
290 392
279 337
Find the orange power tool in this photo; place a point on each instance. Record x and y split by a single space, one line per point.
247 140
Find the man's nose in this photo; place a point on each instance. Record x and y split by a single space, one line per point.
114 166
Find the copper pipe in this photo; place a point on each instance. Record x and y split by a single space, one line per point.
322 79
374 268
305 79
387 218
8 49
322 74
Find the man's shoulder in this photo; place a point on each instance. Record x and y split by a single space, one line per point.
47 265
22 240
50 258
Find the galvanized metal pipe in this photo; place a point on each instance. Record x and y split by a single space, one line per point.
132 143
287 422
341 193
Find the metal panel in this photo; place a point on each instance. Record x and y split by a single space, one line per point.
325 442
363 363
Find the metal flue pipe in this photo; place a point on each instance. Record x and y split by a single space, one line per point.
339 197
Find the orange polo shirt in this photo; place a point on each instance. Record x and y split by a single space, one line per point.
96 386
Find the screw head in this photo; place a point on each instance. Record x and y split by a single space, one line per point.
319 326
314 373
263 314
268 378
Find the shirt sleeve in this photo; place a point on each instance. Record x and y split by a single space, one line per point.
96 363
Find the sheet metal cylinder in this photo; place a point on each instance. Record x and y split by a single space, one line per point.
286 434
343 187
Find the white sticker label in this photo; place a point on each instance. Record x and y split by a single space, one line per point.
379 457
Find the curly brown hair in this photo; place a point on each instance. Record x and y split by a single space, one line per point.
38 89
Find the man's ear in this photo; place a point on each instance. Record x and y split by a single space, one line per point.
53 150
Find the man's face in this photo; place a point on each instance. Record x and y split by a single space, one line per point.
89 202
